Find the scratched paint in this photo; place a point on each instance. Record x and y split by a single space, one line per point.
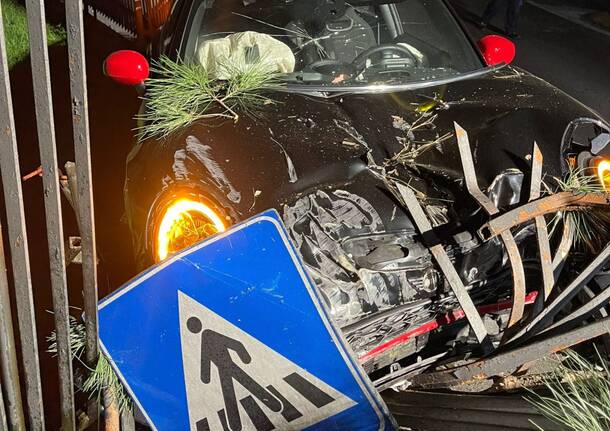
195 157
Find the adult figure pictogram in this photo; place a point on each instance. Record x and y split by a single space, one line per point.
215 349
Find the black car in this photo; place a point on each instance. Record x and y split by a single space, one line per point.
370 106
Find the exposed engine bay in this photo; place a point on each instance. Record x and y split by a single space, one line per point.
379 284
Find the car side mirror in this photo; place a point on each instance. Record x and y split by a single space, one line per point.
497 49
127 67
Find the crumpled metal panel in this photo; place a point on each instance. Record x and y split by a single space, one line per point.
505 189
375 283
320 224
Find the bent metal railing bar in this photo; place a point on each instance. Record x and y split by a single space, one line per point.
52 200
545 318
20 263
82 150
442 259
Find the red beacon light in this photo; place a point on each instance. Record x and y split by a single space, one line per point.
127 67
497 49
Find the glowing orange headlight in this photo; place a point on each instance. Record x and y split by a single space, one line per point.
603 172
184 223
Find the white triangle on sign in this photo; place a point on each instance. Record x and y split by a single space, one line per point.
234 382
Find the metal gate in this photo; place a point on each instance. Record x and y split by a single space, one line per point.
137 18
21 404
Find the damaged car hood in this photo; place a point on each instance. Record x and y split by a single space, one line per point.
301 144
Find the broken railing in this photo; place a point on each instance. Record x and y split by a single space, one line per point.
22 407
528 336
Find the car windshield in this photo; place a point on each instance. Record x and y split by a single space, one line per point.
332 43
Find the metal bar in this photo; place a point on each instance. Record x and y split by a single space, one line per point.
20 261
449 271
470 177
82 150
69 187
547 315
398 377
601 312
579 315
512 359
550 204
542 233
8 352
536 181
512 250
48 156
508 240
563 249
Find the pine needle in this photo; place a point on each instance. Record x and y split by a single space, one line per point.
102 378
182 93
578 394
78 339
591 224
580 180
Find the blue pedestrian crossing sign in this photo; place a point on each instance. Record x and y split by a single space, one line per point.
230 335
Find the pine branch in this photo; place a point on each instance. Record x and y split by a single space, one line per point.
180 94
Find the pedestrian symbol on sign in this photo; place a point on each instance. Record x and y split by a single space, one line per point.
234 382
215 349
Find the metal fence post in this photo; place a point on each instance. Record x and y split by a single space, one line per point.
84 198
52 199
11 180
82 149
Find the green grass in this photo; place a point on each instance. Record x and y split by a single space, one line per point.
16 32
